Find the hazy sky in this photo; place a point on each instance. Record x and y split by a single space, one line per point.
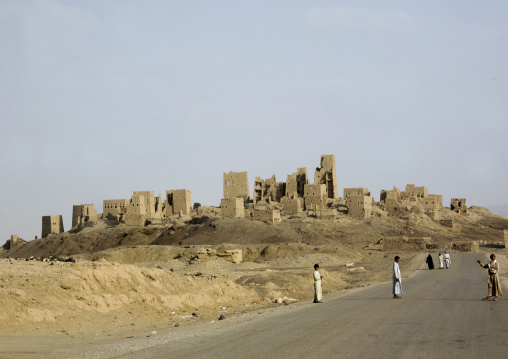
102 98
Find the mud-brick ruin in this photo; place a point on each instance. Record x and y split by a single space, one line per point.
144 208
413 198
141 209
458 205
52 225
271 201
270 198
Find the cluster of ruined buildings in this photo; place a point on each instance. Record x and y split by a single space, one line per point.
270 199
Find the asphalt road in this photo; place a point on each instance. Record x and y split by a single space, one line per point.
440 315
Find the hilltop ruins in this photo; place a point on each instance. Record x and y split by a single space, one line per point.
270 201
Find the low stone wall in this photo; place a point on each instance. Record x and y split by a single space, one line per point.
403 243
455 227
231 255
326 213
465 246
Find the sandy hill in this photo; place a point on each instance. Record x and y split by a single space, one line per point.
214 230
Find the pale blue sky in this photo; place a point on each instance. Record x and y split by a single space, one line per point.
102 98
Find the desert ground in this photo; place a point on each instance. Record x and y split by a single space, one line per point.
114 283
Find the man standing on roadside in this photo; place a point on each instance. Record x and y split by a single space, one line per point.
397 279
318 293
494 285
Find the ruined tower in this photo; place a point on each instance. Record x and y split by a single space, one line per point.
236 185
326 175
296 182
82 214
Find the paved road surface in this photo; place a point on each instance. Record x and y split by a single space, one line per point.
441 315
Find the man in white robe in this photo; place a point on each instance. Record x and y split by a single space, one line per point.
397 279
318 293
447 259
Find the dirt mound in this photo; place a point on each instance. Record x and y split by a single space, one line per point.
73 297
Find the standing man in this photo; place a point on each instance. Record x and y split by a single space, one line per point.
494 285
447 259
397 279
318 294
441 260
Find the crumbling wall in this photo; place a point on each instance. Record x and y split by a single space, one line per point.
414 198
82 214
12 243
267 215
230 255
392 200
450 223
458 205
268 190
236 184
326 213
295 185
52 225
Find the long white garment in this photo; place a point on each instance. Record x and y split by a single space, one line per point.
447 260
318 293
397 285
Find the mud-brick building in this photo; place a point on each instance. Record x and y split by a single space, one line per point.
82 214
359 205
178 201
232 207
52 225
236 184
458 205
268 190
115 208
295 185
395 200
315 196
